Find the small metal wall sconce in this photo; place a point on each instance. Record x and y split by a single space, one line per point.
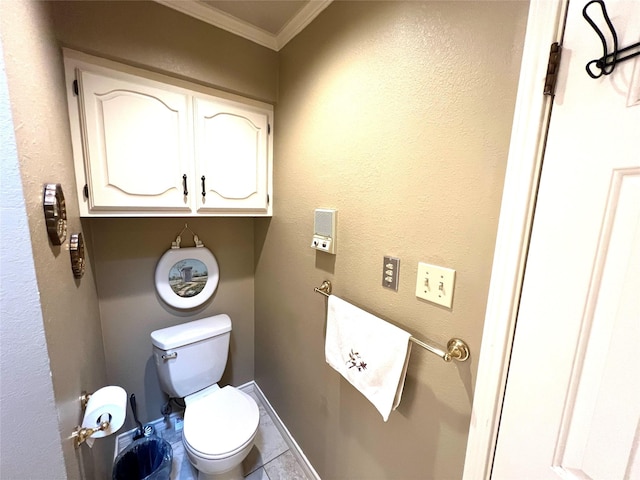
76 251
55 216
55 213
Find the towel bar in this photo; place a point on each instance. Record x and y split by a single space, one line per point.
457 349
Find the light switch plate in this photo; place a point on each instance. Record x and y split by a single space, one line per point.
435 284
390 272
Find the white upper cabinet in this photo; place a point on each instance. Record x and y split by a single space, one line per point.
232 144
137 146
150 145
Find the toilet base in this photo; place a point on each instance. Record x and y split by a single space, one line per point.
234 474
229 468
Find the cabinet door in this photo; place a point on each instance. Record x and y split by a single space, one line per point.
136 148
232 150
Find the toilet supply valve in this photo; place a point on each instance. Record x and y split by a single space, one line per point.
80 435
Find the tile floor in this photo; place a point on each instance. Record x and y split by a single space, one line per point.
270 459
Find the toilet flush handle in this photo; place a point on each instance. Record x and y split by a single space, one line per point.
169 356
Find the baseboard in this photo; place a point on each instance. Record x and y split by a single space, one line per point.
286 435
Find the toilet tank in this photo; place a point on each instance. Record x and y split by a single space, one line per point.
191 356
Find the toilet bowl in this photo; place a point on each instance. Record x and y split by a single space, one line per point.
220 425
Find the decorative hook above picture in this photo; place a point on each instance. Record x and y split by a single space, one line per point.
606 64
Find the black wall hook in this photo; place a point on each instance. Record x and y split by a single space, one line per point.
607 63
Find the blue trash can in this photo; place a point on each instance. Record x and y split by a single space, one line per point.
148 458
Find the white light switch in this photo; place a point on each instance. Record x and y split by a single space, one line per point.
435 284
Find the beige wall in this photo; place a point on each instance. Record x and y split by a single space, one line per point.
26 396
125 251
148 35
155 37
69 306
398 114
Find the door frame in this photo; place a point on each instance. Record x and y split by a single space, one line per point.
545 25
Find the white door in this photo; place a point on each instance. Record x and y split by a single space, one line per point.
572 401
232 148
137 151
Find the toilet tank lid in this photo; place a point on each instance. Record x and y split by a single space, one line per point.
191 332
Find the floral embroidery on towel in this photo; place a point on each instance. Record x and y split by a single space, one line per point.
356 361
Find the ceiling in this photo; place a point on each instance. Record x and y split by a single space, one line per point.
270 23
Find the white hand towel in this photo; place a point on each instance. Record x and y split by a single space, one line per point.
370 353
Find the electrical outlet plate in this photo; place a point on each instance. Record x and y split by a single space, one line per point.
435 284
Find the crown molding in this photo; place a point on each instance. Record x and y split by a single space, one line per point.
243 29
301 19
222 20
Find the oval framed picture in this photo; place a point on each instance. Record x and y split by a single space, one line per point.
187 277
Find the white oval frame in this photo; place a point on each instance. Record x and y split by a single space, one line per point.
175 255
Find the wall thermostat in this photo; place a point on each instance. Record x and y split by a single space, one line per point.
324 230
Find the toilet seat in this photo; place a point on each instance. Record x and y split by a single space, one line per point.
221 423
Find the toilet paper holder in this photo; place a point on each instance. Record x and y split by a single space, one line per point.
80 434
84 399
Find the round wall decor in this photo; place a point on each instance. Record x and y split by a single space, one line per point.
76 250
55 213
187 277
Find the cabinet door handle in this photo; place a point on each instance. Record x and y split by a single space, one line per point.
184 184
204 190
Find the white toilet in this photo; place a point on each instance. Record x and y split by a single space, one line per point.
220 424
